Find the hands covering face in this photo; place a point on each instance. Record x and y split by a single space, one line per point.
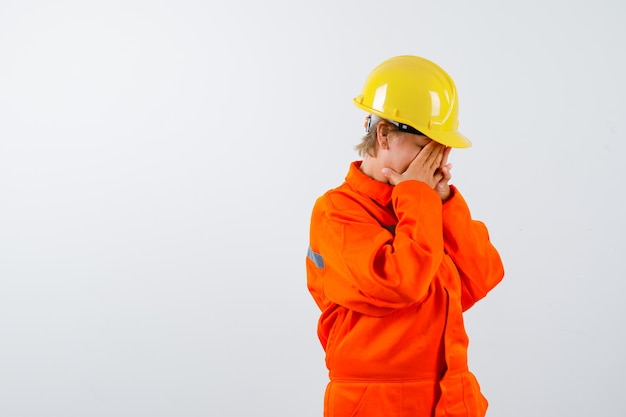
429 166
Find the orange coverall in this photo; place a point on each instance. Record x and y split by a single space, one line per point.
392 269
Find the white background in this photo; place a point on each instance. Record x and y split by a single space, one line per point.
159 161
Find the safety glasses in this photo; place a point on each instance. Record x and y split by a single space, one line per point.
406 128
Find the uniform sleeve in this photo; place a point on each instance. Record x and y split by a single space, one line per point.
467 242
363 266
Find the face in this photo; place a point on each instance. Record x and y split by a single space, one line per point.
403 147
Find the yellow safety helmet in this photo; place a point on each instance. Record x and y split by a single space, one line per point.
413 91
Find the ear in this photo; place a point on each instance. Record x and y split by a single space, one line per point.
382 131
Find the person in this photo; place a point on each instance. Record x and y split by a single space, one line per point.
395 257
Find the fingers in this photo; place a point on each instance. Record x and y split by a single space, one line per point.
429 166
438 177
432 155
443 186
393 177
446 172
446 152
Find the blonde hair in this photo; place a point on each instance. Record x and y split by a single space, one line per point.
369 142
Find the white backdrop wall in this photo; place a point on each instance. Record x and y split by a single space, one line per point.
158 164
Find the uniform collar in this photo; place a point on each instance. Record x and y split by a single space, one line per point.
376 190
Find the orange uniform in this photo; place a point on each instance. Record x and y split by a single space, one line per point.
392 269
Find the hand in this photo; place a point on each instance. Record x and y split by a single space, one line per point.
443 186
425 167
